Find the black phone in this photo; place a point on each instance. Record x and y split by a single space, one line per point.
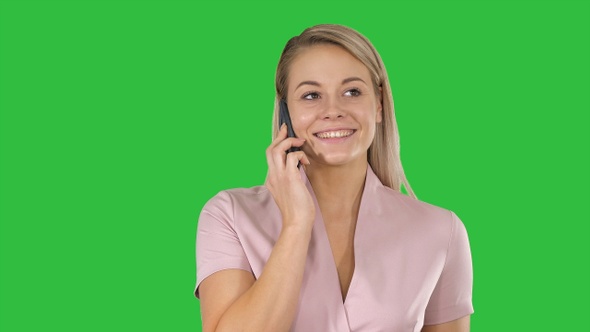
285 118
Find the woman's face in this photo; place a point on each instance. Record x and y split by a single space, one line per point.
333 105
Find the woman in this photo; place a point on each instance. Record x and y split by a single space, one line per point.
332 245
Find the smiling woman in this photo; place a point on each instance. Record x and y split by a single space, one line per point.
332 245
336 112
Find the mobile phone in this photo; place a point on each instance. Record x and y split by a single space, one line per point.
285 118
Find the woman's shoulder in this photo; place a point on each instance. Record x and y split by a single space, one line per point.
415 211
241 194
418 221
230 199
248 212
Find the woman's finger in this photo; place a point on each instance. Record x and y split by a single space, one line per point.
269 151
288 143
294 158
281 135
279 151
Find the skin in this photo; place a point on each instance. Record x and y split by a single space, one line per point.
330 89
327 88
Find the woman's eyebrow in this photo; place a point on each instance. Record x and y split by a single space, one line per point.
344 81
351 79
308 83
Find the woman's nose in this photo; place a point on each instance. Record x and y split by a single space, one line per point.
332 110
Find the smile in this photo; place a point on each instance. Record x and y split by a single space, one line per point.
335 134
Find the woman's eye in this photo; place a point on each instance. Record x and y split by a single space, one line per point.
311 95
353 93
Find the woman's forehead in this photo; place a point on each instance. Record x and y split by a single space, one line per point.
328 64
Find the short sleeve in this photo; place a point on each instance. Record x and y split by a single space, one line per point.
451 298
218 246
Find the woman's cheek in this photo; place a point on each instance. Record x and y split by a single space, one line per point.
301 126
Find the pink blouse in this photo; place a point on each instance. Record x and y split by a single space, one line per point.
412 259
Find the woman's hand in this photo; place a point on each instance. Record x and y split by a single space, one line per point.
285 184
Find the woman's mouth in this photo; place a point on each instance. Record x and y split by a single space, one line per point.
334 133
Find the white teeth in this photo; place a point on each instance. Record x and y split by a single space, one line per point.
335 134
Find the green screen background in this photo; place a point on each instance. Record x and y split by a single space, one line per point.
120 119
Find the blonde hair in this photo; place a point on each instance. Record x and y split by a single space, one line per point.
384 152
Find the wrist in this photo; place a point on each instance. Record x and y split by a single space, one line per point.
298 229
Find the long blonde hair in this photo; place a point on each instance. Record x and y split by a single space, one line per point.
384 152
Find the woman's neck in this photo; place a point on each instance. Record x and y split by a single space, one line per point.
338 189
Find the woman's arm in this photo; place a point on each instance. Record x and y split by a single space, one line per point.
459 325
232 300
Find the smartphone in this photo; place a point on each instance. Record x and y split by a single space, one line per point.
285 118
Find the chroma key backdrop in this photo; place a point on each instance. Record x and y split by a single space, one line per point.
120 119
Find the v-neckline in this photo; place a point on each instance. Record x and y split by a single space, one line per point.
320 226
